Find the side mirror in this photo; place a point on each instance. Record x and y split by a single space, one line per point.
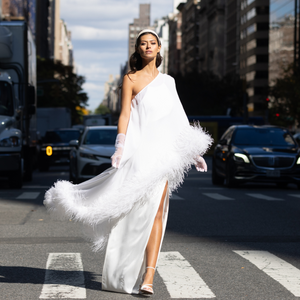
31 94
222 142
74 143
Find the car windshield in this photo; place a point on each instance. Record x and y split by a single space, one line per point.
61 136
6 99
263 137
100 137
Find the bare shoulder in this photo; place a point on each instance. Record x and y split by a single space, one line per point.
129 80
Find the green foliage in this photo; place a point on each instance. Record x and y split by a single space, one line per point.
102 110
206 94
284 108
59 86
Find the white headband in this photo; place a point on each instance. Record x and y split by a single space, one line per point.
148 31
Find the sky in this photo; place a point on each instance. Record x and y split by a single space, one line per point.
100 37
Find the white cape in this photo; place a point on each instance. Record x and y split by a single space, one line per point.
120 204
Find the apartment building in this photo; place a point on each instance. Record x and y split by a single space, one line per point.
212 37
254 52
189 54
140 23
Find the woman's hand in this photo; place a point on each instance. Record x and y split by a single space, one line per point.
116 158
200 164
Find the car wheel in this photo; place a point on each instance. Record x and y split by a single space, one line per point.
229 180
281 185
216 179
73 174
16 178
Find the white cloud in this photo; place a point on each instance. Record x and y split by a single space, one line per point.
90 33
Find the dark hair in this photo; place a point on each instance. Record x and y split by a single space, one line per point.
136 62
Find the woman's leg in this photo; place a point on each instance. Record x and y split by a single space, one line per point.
154 240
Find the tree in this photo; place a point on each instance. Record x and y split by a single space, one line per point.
284 108
59 86
102 110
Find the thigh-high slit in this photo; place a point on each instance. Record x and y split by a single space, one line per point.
125 259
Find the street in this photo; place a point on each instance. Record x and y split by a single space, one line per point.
233 244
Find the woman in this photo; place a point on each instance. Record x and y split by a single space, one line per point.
126 207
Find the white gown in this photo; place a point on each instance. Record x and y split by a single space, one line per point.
118 206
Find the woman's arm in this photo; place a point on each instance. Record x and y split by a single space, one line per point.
127 88
123 121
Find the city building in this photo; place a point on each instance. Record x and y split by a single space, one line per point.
45 26
212 35
254 52
20 10
175 22
161 26
232 37
63 44
111 94
189 54
138 24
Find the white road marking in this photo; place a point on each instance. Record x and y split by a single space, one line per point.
64 277
181 280
281 271
295 195
216 196
176 197
36 187
210 188
264 197
28 195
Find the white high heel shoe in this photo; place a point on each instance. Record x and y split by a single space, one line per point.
146 289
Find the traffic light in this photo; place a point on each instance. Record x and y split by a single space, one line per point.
277 115
268 99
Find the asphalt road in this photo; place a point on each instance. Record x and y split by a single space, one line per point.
234 244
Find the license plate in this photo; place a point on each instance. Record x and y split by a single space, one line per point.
273 173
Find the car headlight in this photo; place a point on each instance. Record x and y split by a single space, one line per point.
241 157
88 155
12 141
298 161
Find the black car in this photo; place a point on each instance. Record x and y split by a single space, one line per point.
258 154
55 148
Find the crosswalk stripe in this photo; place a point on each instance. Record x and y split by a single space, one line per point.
28 195
264 197
295 195
181 280
64 277
176 197
280 270
36 186
217 196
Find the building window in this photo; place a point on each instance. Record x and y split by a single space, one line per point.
131 35
251 29
243 34
250 92
251 60
250 76
251 13
131 28
251 45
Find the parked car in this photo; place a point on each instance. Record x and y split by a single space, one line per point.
256 153
91 154
55 148
296 137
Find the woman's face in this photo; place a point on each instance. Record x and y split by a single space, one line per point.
148 47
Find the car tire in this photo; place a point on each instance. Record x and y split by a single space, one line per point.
229 180
281 185
216 179
16 178
73 177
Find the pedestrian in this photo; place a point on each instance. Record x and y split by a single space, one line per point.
126 207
